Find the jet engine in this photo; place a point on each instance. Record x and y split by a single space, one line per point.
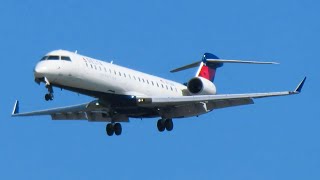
201 86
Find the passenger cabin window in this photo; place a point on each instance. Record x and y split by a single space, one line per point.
53 57
65 58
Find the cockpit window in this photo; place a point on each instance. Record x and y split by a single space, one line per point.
53 57
66 58
44 58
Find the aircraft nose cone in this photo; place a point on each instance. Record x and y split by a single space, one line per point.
39 71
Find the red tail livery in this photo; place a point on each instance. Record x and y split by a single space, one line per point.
207 69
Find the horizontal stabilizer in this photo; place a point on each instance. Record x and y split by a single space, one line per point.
238 61
218 61
195 64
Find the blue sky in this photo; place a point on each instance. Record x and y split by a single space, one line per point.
277 138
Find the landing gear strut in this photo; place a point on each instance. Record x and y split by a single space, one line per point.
163 124
113 128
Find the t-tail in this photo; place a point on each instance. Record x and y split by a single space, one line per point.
209 64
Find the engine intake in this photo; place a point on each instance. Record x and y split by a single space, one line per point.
201 86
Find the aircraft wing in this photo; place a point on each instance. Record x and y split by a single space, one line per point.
220 101
94 111
91 111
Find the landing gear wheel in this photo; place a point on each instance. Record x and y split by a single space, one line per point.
161 125
48 97
117 129
110 129
169 124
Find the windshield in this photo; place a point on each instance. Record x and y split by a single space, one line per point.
44 58
53 57
64 58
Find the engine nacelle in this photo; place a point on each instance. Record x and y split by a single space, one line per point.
201 86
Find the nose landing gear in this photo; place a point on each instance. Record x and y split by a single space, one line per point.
49 95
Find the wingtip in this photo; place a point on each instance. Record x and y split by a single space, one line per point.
300 86
15 108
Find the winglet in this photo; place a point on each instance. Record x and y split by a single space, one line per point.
15 108
300 86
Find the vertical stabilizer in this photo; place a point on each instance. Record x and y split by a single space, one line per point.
207 69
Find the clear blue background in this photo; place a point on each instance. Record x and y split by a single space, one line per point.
277 138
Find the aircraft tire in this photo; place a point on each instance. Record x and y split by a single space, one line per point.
161 125
169 124
110 129
47 97
117 129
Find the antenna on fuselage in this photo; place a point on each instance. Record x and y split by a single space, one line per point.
111 62
76 52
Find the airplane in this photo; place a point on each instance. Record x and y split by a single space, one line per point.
121 93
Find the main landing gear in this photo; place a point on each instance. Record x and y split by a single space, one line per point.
163 124
113 128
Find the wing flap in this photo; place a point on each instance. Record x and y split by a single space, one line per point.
229 103
69 116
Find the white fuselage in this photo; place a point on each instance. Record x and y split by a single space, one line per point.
94 75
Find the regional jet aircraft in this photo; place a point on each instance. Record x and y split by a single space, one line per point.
121 93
